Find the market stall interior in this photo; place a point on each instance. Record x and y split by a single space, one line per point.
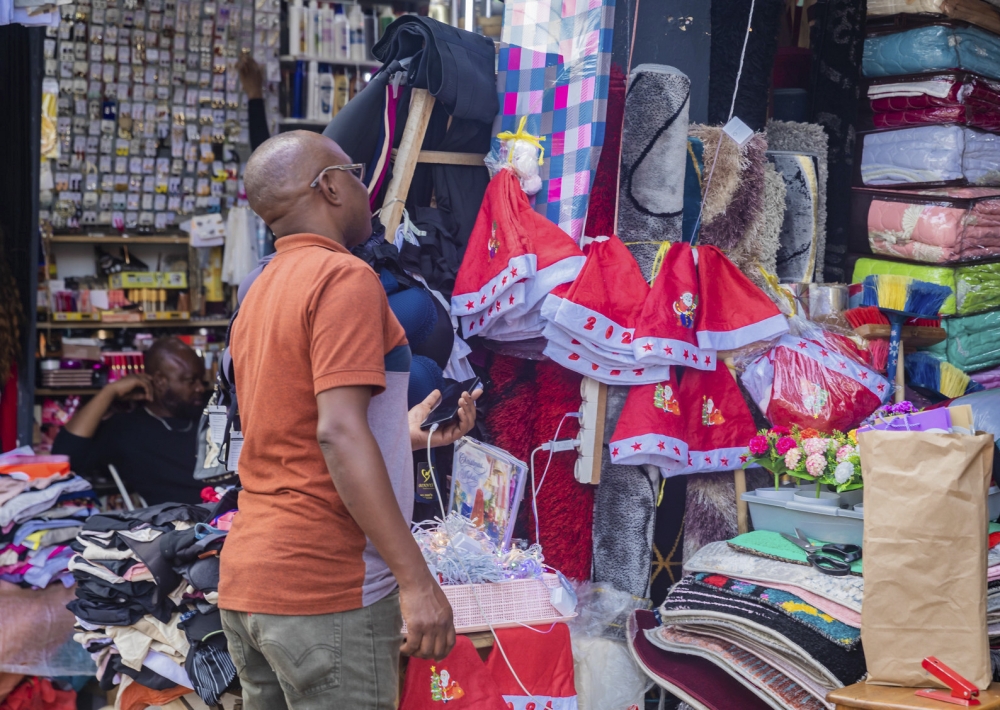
731 298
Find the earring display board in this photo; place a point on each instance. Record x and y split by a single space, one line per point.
148 115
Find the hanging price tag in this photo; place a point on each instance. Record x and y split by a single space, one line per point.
235 449
738 131
217 423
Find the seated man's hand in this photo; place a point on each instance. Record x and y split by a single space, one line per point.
449 432
134 388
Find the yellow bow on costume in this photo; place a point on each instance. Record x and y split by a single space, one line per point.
523 135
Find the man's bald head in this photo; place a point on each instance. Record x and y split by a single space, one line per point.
178 377
277 181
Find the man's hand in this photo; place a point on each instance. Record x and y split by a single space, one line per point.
448 432
134 388
251 76
430 631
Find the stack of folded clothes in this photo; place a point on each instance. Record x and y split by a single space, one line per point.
147 593
42 508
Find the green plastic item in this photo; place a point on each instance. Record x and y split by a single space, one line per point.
975 287
765 543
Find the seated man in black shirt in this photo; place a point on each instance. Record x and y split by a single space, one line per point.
153 446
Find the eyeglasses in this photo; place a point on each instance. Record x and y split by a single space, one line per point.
355 169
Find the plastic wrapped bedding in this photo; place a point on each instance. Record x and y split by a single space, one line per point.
929 155
977 12
975 287
973 342
932 48
939 226
952 97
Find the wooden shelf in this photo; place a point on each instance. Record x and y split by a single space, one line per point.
438 157
64 391
119 239
207 323
367 64
913 335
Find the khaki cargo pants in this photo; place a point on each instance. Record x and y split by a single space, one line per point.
345 660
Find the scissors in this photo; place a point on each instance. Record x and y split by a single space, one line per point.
832 559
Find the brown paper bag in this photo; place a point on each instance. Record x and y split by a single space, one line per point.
925 548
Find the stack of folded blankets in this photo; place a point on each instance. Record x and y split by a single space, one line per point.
42 508
756 611
146 606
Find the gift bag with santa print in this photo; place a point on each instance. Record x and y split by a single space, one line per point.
461 681
541 659
814 382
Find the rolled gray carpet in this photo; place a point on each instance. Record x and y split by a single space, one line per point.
624 513
797 256
654 147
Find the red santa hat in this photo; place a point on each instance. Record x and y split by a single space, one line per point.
461 682
650 429
718 425
513 259
579 359
735 312
605 299
666 331
542 663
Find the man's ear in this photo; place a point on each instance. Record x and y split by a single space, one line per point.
330 190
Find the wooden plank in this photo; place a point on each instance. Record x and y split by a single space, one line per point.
739 477
109 239
439 157
916 336
602 411
421 105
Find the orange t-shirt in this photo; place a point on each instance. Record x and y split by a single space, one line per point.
316 318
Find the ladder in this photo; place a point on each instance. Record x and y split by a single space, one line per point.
409 155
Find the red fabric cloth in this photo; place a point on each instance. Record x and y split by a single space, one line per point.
604 194
39 694
542 658
530 399
8 411
460 680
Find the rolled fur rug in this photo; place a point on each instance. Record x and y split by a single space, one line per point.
710 512
806 138
654 148
760 246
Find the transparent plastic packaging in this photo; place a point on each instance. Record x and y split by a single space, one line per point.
976 287
949 97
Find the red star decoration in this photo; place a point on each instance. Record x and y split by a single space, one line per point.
677 450
482 300
690 462
743 458
661 446
614 451
574 356
494 289
489 311
843 365
637 446
593 366
881 388
513 272
498 305
824 353
616 372
668 350
725 461
575 341
802 345
708 459
685 354
470 305
481 319
864 375
647 347
503 281
708 360
638 373
512 300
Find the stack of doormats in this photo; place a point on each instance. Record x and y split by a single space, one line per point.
42 507
147 594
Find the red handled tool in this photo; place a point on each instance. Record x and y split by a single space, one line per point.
962 691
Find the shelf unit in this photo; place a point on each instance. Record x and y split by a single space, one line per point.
302 122
119 239
94 325
65 391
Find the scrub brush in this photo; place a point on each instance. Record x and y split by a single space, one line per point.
878 351
926 371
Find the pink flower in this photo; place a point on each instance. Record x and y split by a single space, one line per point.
815 446
780 431
784 445
843 452
792 458
815 464
758 445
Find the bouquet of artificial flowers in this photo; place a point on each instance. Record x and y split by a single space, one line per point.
809 455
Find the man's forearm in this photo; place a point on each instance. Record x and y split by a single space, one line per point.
85 422
358 470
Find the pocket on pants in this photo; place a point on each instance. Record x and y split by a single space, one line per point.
234 642
304 651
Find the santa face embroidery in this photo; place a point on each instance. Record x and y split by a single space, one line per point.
814 397
663 398
710 416
494 243
443 688
685 307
